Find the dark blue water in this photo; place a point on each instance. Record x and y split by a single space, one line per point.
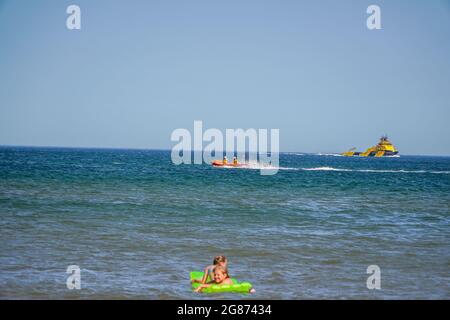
136 225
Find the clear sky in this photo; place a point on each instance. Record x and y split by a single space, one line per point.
137 70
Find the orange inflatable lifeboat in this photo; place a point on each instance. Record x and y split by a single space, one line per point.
219 163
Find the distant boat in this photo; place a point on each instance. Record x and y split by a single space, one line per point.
384 148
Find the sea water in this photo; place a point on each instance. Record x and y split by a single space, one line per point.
136 225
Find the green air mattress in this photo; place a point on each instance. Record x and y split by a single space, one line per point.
237 287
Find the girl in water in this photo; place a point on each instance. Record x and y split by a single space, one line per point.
218 261
220 275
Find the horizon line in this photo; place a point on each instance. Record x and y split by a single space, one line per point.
162 149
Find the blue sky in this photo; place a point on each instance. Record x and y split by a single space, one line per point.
137 70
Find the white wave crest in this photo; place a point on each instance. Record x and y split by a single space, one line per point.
373 170
329 154
325 169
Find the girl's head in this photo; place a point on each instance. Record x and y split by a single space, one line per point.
220 274
220 261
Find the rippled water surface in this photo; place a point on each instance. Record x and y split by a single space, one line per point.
136 225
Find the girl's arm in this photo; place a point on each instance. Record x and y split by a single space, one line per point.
201 287
204 285
204 278
205 274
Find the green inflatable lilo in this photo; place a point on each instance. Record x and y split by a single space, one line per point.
237 287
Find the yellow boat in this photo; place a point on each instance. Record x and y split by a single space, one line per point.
384 148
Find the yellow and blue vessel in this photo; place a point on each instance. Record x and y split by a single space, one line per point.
384 148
